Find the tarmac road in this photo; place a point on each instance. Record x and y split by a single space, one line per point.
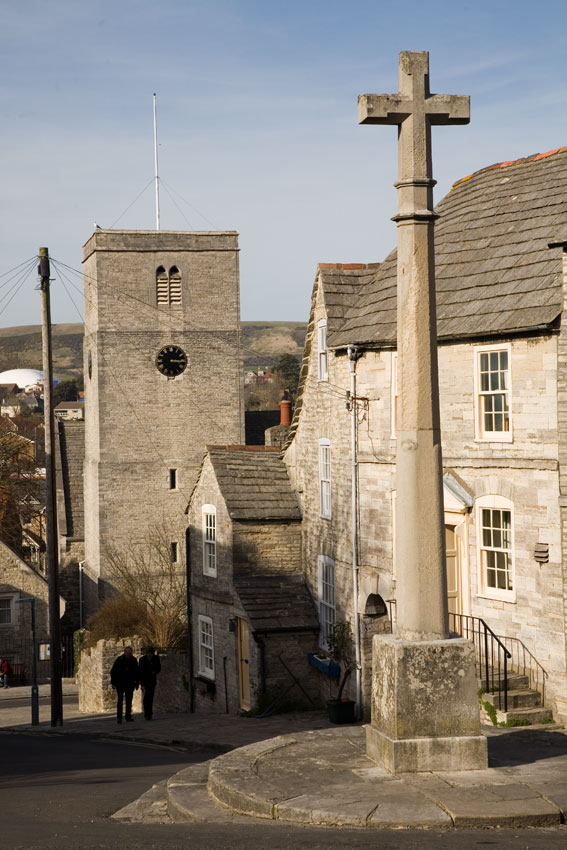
58 791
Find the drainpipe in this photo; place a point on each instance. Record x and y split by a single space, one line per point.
353 354
190 661
262 644
81 618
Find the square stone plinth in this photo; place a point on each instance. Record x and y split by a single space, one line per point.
425 713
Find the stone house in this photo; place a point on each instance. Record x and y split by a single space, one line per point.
19 580
70 410
503 392
253 619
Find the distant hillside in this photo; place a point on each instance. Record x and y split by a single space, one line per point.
263 344
20 348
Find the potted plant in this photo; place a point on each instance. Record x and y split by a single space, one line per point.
340 649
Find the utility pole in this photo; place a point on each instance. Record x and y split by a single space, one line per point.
50 503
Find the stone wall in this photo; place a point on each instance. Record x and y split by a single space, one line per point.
292 649
266 547
97 696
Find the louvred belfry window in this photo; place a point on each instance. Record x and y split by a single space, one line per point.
168 286
174 285
162 286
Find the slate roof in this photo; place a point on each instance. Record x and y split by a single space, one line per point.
494 270
341 285
254 483
276 602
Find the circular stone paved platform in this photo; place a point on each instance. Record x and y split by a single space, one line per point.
325 777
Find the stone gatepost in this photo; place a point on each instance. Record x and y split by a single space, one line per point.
93 676
425 713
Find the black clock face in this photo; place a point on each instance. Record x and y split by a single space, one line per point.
171 361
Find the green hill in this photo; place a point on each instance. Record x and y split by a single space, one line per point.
263 343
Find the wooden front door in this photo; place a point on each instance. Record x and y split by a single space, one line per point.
454 577
244 664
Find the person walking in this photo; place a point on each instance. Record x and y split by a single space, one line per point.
149 666
124 678
5 673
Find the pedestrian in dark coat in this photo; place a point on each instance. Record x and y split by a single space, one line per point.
124 678
149 667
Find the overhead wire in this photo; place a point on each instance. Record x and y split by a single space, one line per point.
185 201
146 187
150 308
11 293
29 260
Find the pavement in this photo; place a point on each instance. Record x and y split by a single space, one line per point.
221 732
299 768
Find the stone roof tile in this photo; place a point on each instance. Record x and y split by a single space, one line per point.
278 601
254 485
491 248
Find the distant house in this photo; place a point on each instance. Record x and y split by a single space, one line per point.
19 580
261 376
70 410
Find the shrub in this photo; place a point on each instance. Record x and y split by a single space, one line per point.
117 618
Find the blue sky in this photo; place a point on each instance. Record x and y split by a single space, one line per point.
257 124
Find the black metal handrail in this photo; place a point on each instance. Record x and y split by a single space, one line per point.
526 664
490 653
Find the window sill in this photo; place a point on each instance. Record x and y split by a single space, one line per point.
498 598
508 438
208 681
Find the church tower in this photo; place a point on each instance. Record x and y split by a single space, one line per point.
163 378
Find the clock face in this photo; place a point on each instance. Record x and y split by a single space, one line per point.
171 361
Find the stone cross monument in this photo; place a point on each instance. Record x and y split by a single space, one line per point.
425 712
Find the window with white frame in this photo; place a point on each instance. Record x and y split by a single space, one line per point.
6 613
206 647
323 358
325 479
326 595
394 395
495 536
210 540
492 395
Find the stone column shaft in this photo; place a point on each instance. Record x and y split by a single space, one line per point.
421 581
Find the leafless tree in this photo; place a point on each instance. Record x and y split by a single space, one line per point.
152 575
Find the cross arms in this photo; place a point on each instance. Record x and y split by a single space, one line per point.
395 108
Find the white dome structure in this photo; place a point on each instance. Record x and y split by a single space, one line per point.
24 378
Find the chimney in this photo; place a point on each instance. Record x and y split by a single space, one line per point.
285 409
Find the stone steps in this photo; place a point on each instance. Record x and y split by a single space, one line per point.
524 703
538 714
525 698
183 798
516 682
151 807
